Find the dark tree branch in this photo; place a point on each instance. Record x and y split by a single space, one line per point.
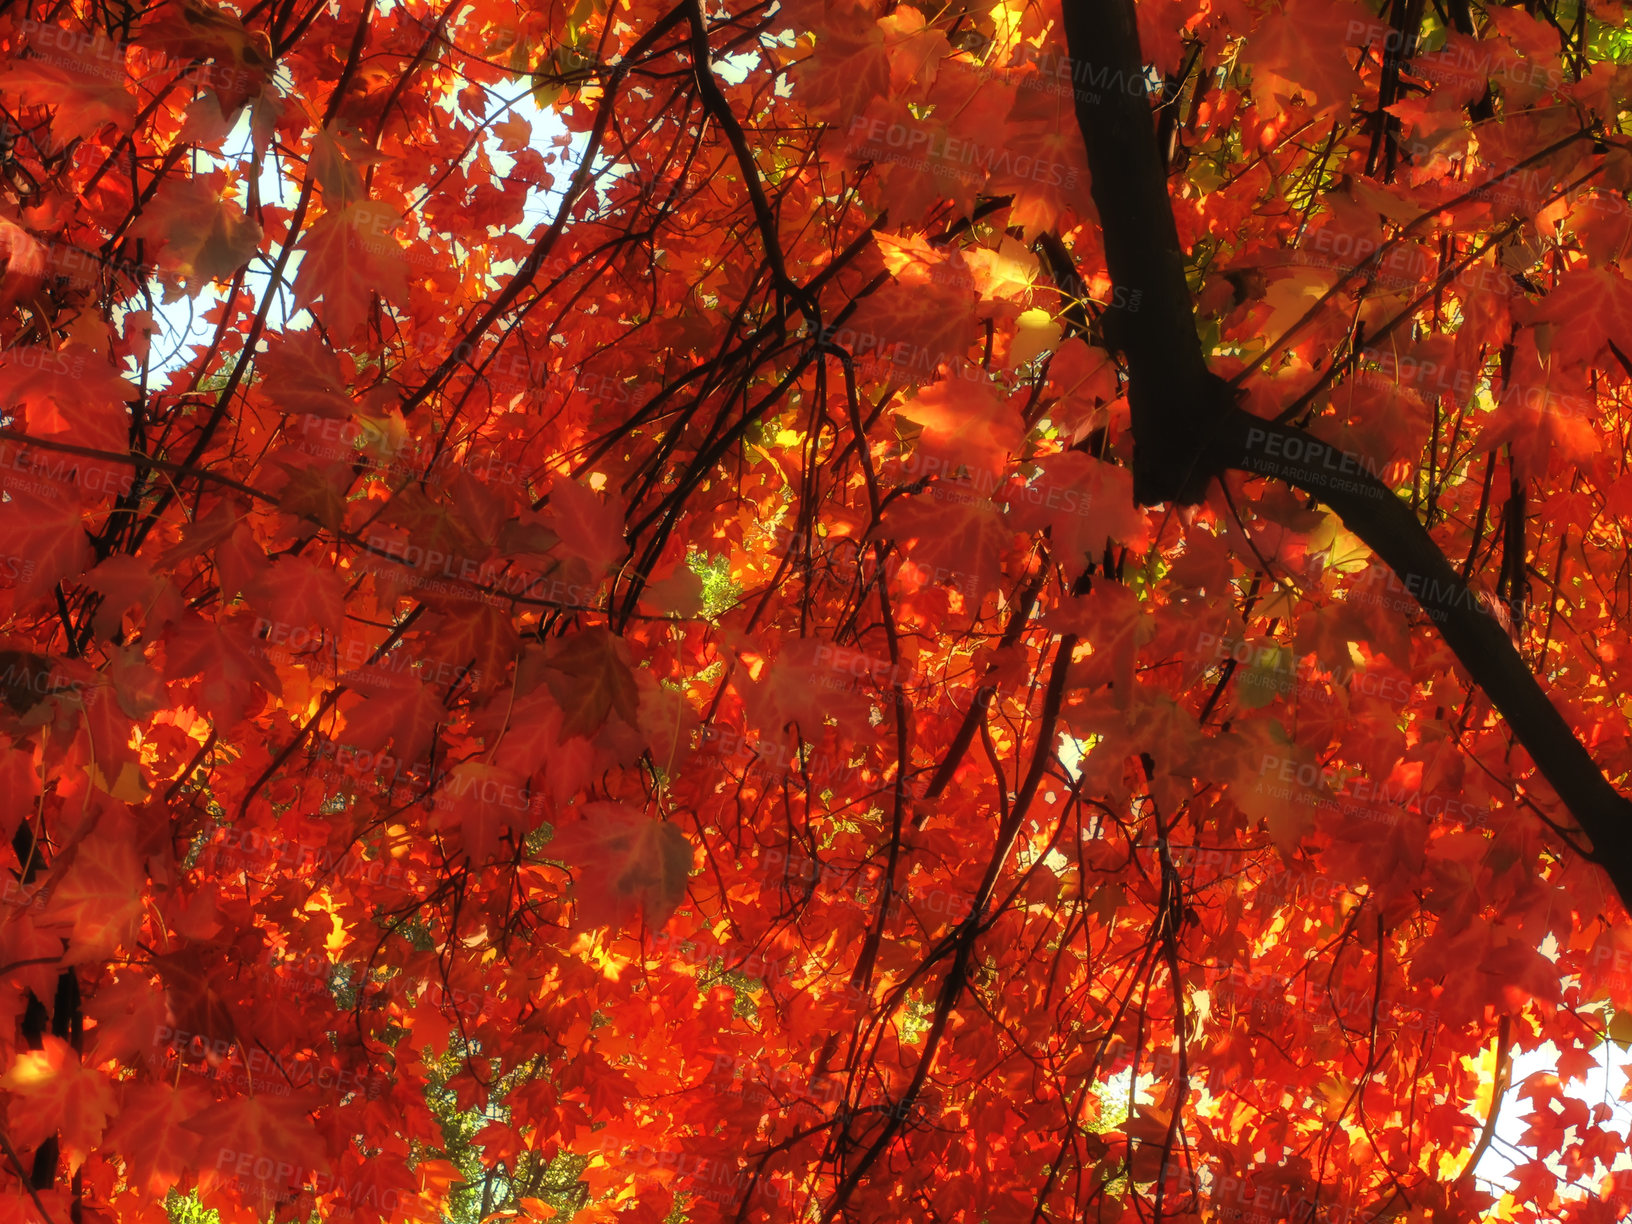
1464 617
1171 393
1186 430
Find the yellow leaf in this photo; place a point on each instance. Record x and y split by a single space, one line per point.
1036 333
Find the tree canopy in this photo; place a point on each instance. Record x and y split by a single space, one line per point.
813 611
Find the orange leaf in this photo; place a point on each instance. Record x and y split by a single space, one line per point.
624 864
61 1096
348 256
1305 46
262 1144
199 236
97 896
590 681
966 423
45 536
151 1133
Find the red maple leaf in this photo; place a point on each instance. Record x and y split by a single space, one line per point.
63 1097
624 864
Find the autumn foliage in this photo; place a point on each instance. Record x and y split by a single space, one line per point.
620 666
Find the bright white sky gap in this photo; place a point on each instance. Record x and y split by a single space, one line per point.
181 321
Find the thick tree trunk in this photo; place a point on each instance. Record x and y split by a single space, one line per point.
1171 394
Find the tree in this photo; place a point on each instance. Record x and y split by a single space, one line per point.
959 615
